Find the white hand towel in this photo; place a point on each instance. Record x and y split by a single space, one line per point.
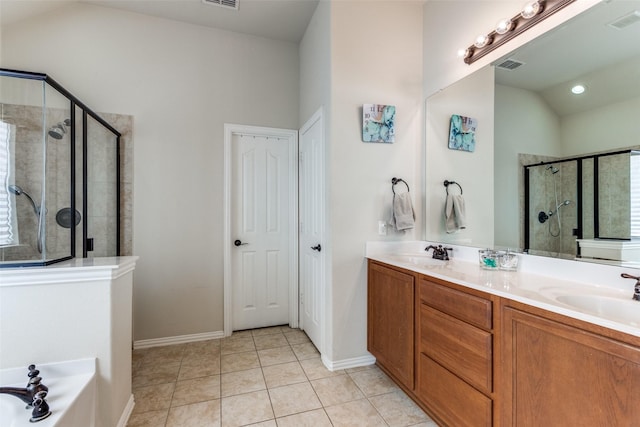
454 213
403 215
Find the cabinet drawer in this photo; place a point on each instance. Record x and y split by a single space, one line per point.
454 401
463 349
466 307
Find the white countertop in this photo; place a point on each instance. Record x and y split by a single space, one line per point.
537 282
74 270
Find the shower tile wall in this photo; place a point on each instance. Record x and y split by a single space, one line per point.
614 202
124 125
28 174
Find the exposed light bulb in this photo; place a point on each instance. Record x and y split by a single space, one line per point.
482 41
531 9
578 89
462 53
504 26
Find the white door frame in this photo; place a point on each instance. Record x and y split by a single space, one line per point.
319 116
292 135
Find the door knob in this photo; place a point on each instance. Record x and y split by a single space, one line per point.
238 242
317 247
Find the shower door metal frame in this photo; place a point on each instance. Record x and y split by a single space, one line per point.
578 232
86 111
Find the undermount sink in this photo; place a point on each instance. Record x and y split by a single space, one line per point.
419 260
626 310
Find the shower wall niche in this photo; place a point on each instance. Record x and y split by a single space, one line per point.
61 180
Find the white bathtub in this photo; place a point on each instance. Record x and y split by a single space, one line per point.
71 397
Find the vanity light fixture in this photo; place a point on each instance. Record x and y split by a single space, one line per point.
532 13
504 26
482 41
578 89
531 9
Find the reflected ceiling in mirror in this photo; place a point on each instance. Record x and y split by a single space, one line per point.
599 49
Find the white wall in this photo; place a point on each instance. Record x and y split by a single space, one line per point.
603 129
181 83
376 58
470 97
524 123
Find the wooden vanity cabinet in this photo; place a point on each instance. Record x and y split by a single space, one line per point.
469 358
391 320
560 371
455 361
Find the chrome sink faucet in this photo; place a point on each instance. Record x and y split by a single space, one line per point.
33 395
636 288
439 252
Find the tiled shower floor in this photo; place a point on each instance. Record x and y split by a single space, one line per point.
264 377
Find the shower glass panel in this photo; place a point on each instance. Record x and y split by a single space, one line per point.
102 190
553 213
47 176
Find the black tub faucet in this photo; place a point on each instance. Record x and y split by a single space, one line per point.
32 395
636 288
439 252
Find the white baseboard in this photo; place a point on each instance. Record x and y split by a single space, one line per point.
180 339
334 365
124 418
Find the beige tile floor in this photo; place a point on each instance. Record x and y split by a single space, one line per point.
265 378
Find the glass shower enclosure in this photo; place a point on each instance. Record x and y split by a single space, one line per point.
59 175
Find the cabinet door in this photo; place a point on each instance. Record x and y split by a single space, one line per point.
558 375
390 321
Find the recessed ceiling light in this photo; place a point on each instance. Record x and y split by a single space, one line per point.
578 89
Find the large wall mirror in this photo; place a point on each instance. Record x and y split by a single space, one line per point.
552 172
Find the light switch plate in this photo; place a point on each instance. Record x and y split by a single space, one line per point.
382 228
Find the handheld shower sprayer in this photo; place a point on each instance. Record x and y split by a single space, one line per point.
18 191
543 216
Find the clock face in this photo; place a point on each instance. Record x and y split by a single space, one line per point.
378 123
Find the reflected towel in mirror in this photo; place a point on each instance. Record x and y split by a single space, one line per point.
454 213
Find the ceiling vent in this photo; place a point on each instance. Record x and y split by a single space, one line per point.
509 64
626 20
228 4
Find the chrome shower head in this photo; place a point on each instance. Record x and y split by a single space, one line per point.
59 130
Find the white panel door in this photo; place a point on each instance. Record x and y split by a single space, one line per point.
260 231
311 211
